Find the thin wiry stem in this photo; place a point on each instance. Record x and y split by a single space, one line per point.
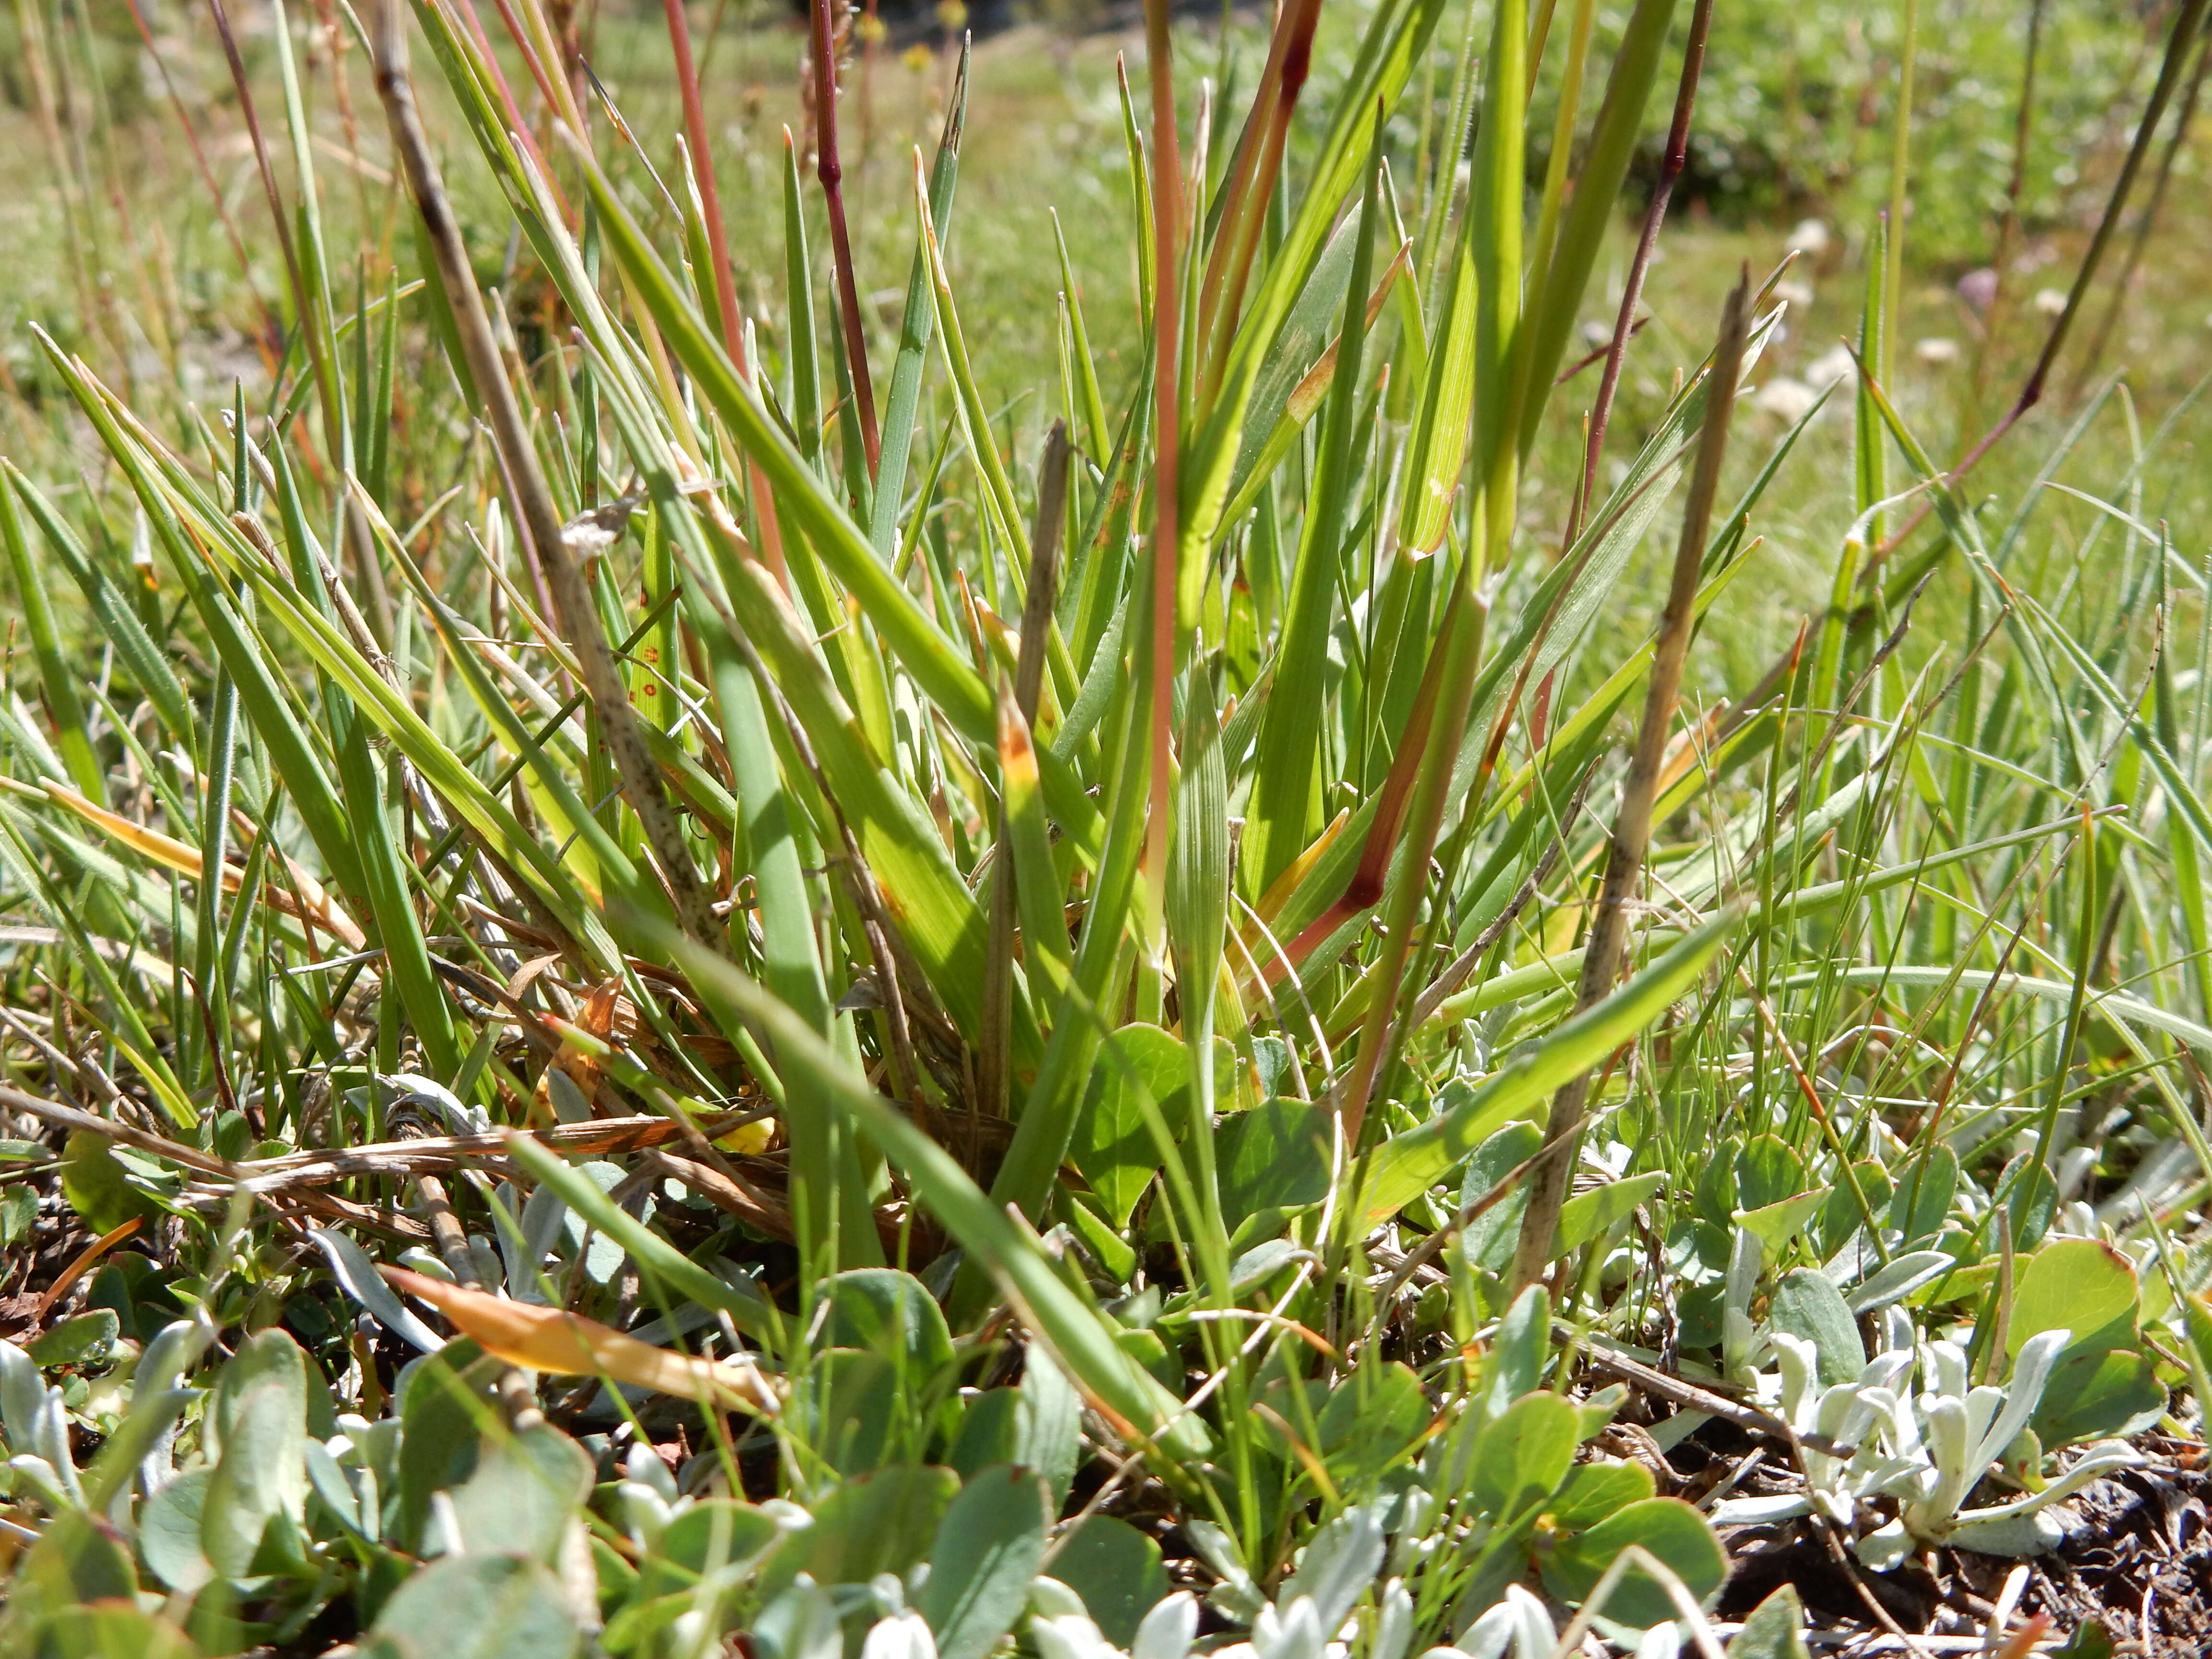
579 617
2145 225
2009 225
1631 824
2186 29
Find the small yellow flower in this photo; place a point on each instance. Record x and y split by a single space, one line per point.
917 58
952 14
869 29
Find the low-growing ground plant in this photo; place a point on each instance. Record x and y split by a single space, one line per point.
683 977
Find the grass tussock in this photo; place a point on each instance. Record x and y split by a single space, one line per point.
1265 935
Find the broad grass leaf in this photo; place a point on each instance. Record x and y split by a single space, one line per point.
1779 1223
1487 1241
1111 1148
889 1313
1370 1421
444 1407
96 1187
169 1532
1922 1198
990 1432
1273 1158
1767 1170
716 1533
1590 1214
1083 1337
78 1340
1409 1164
110 1630
1048 1424
1841 1217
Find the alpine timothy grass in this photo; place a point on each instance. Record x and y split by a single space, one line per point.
697 956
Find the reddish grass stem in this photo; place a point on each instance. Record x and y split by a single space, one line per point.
1258 158
830 171
1676 158
717 246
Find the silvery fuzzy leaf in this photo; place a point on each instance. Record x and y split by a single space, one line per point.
1393 1623
801 1623
1885 1547
2097 1460
416 1090
1943 1367
1738 1338
1757 1511
1051 1599
21 1389
1887 1286
1794 1359
1887 1369
1898 1332
905 1636
1487 1638
2037 1533
1235 1595
644 1466
50 1439
360 1280
2031 1373
1295 1633
1070 1635
39 1474
1538 1634
1339 1564
1983 1405
1167 1632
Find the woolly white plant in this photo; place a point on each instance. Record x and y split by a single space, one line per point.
1927 1451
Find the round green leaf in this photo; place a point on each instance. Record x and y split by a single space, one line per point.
2079 1284
1775 1629
1671 1530
988 1546
1116 1571
477 1606
1807 1304
106 1630
2094 1395
1520 1458
169 1532
1594 1492
522 1494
